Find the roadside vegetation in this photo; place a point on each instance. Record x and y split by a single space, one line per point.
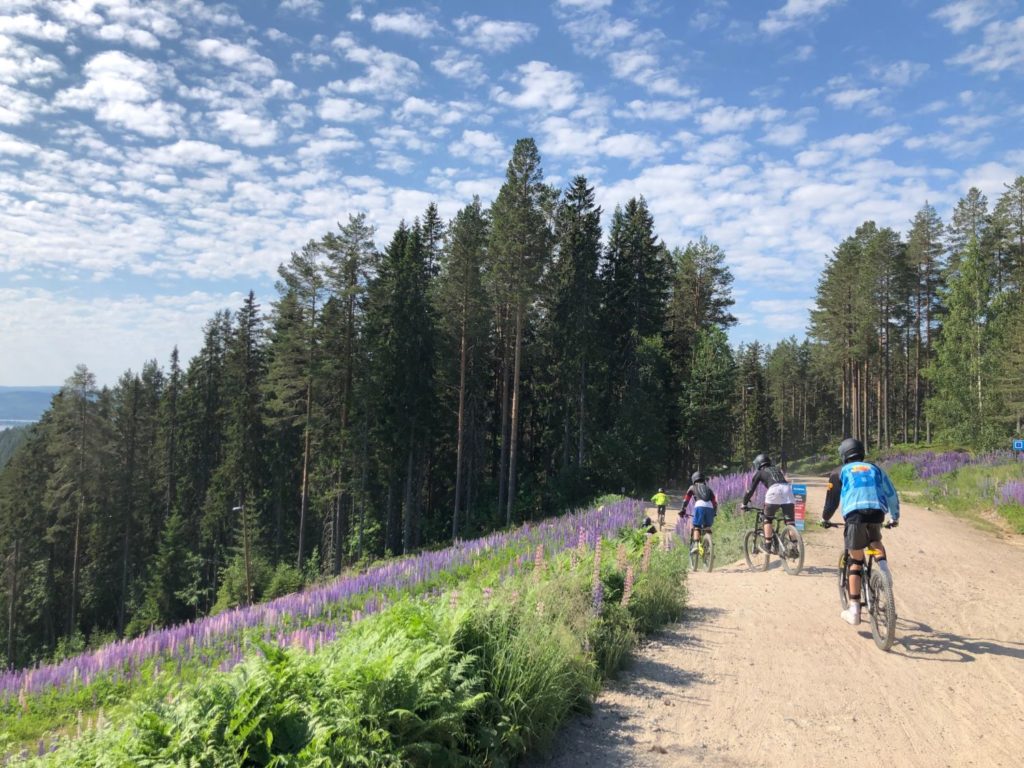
477 662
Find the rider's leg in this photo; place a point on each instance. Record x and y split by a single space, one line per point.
876 543
853 585
769 521
789 512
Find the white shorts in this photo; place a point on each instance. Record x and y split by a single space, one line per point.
780 493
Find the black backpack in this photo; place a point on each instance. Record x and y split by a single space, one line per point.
772 475
702 491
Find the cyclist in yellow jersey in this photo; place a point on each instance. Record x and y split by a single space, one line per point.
660 500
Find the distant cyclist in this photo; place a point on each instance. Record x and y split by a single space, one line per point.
660 500
866 495
705 506
778 496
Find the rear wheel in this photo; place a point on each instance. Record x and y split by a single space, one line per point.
755 550
792 550
708 558
883 609
844 590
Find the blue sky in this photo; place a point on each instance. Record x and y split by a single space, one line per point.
159 159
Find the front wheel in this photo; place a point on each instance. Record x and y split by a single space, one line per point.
708 558
755 551
844 589
792 550
883 610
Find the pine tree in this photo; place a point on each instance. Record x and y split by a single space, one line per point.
461 307
520 248
707 400
925 251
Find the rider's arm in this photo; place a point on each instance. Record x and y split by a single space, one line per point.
832 496
688 496
714 501
752 487
892 499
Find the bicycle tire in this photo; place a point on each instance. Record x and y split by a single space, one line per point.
883 609
709 553
791 550
844 591
754 551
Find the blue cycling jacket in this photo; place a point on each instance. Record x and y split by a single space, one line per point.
864 486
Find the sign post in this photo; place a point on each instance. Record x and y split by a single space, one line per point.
800 507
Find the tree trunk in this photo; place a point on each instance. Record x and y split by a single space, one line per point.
408 513
583 394
12 602
514 440
305 474
460 432
503 460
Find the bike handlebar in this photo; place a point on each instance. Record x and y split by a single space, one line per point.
830 524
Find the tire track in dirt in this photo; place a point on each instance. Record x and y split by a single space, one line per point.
764 673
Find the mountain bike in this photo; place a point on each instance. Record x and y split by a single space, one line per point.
661 516
786 542
702 551
876 592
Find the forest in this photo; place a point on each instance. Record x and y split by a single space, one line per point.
512 363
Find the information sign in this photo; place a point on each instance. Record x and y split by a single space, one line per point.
800 507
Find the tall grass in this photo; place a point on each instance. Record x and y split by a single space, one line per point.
475 676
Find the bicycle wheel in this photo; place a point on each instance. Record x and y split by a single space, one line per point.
708 559
694 555
883 610
844 590
755 551
792 550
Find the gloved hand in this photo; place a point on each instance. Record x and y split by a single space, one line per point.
823 523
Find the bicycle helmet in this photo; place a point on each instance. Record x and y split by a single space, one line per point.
761 460
697 477
661 490
851 449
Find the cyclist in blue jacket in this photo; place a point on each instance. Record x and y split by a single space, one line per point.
866 495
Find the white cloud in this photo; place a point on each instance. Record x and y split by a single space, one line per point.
542 87
55 329
460 65
644 68
479 147
494 36
342 110
785 134
793 14
24 63
721 118
1002 48
238 56
388 75
962 15
404 23
29 25
900 73
17 106
594 34
251 130
584 5
123 90
117 33
849 98
672 111
720 151
803 52
309 8
13 146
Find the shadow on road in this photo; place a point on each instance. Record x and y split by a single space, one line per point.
609 736
917 640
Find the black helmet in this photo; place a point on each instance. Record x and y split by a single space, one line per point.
697 477
851 449
761 460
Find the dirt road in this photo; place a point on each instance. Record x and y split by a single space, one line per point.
764 672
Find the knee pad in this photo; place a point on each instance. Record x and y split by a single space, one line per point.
856 566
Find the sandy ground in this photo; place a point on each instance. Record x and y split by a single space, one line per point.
764 673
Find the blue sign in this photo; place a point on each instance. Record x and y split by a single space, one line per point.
800 508
1018 445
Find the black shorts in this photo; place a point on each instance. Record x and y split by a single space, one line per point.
858 535
788 512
